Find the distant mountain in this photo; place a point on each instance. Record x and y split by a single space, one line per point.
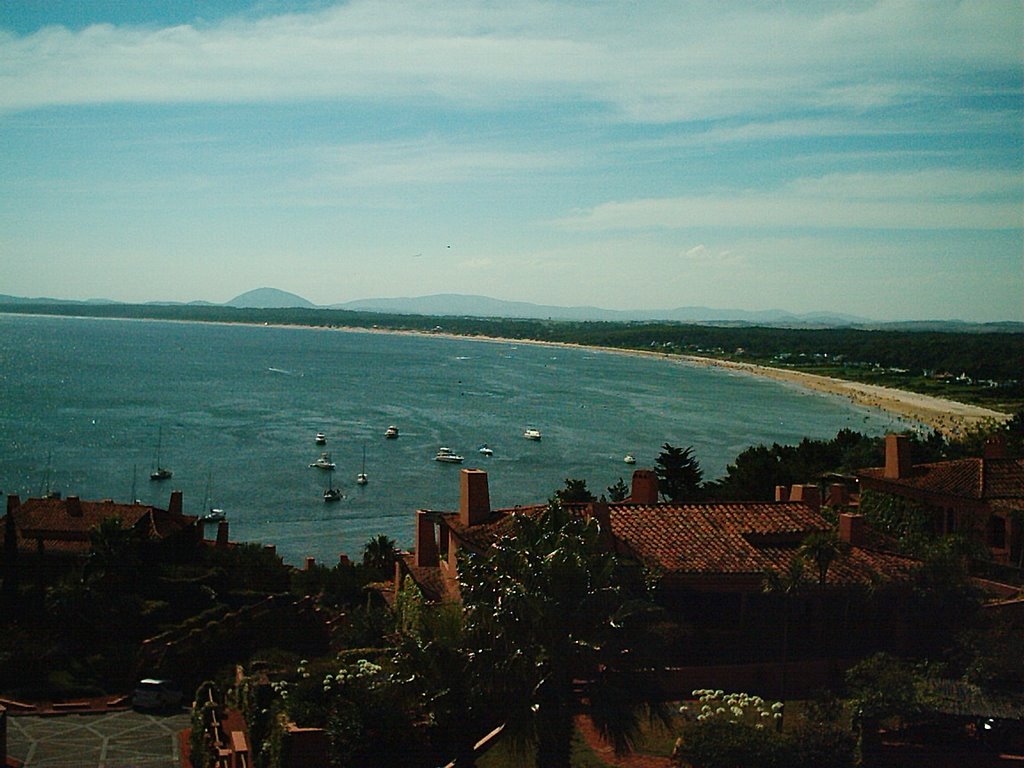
461 305
483 306
269 298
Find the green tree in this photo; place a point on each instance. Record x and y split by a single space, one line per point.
575 491
547 607
618 492
679 474
823 548
380 553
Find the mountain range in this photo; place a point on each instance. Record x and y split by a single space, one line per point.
461 305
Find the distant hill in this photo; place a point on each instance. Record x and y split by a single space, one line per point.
269 298
484 306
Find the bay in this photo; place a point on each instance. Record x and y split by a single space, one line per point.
236 409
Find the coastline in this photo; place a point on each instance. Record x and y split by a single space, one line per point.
950 418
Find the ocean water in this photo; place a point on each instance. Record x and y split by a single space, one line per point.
235 410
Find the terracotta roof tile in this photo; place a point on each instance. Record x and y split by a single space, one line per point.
64 524
738 539
964 478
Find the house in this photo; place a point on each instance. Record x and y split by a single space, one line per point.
60 527
980 496
711 561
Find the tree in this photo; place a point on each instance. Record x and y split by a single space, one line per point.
379 553
545 608
575 491
619 491
679 474
824 548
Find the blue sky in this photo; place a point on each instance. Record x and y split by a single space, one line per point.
861 157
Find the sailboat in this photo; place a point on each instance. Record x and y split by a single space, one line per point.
213 514
361 478
330 492
160 473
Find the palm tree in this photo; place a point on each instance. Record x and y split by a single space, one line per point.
547 612
379 553
824 548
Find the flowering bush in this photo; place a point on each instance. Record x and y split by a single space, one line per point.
733 708
725 730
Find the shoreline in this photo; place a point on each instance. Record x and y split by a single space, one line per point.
950 418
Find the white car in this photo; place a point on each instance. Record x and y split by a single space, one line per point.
154 693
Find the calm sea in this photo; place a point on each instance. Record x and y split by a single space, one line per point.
236 409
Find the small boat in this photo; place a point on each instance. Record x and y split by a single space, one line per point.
532 433
486 450
448 456
324 462
330 492
391 432
361 478
629 458
159 472
320 439
215 515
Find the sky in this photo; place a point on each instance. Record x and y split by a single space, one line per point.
862 158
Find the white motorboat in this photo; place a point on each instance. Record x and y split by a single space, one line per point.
391 432
320 439
629 458
486 450
361 478
448 455
324 462
532 433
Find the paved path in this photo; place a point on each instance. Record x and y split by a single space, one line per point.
109 740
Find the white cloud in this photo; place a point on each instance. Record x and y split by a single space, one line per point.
935 199
648 63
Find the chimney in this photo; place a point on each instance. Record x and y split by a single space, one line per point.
781 493
74 506
222 533
897 457
426 544
645 487
837 495
808 493
13 502
851 528
995 447
474 499
175 506
310 563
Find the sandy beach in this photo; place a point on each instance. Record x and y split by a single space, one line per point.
949 417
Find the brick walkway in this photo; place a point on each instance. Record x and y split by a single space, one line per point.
605 751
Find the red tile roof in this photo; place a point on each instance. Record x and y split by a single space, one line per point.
64 524
977 479
733 540
739 539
